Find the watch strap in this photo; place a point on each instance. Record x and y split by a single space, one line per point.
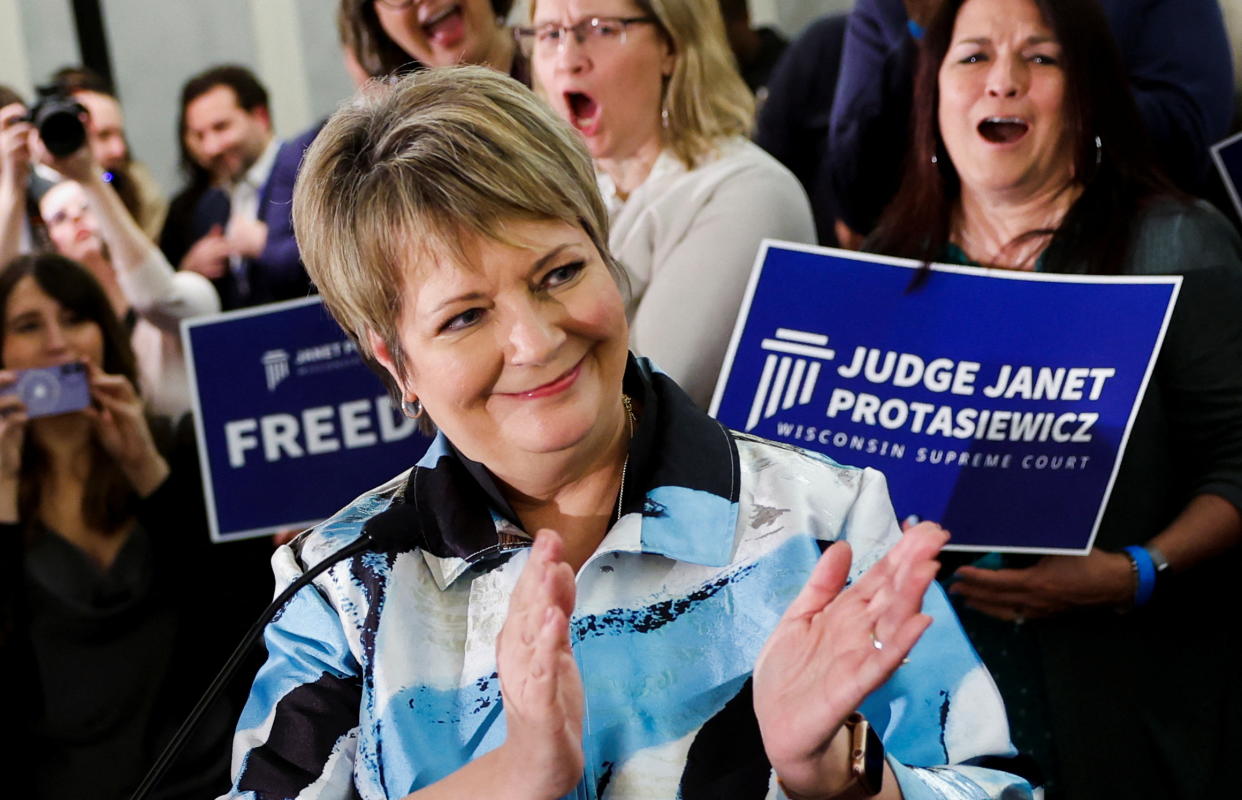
1164 574
1157 559
866 764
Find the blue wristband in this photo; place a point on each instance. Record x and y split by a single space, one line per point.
916 30
1146 574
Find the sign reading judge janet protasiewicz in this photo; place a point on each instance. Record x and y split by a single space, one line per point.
996 403
291 424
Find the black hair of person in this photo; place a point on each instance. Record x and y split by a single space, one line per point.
247 89
109 500
1119 178
81 79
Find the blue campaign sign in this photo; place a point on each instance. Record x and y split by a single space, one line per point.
291 424
997 403
1228 157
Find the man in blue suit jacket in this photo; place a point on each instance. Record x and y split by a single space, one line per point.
243 241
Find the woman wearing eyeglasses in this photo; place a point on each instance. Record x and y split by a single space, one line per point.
387 36
652 88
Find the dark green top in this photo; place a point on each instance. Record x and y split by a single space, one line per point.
1148 704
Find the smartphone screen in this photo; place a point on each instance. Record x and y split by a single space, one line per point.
48 391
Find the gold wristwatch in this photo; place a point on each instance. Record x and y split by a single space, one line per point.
866 763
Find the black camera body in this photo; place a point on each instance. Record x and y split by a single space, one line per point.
58 118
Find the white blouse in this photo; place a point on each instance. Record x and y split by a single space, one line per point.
688 240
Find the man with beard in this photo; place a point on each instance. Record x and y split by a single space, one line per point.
227 132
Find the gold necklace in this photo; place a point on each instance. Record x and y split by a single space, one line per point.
629 415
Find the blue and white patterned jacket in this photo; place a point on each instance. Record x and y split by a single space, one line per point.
381 679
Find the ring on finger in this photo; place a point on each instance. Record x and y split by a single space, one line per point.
875 641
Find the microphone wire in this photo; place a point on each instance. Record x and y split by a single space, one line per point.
370 539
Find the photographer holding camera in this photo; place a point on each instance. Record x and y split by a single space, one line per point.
87 221
105 134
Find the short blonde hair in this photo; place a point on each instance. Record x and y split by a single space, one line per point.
401 172
705 96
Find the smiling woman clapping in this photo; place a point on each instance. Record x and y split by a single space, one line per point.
598 590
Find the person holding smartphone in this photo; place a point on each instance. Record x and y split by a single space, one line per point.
108 626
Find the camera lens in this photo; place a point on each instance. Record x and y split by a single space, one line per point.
59 125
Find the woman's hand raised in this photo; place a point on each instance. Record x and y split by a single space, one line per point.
540 686
832 648
80 165
121 424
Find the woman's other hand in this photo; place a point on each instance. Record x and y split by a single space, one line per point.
540 684
1053 585
832 648
12 435
120 423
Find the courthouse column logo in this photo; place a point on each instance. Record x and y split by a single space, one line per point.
276 365
789 372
